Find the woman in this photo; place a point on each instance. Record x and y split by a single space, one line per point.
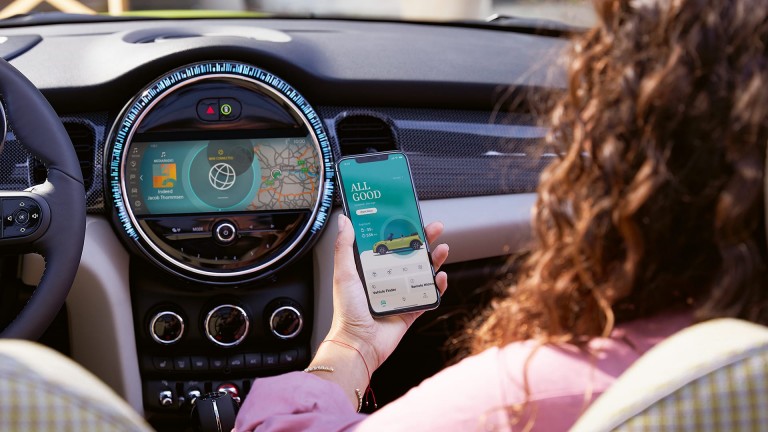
651 220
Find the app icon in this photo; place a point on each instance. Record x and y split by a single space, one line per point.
222 176
163 175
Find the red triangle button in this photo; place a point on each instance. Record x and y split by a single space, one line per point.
210 110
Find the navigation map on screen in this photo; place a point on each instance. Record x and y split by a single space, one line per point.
178 177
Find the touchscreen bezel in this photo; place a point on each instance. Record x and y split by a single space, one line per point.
138 109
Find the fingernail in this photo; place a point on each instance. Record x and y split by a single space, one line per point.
342 221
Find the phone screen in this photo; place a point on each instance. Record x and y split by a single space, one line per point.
394 260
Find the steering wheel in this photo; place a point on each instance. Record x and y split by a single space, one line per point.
48 218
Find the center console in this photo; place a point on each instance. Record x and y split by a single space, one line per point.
221 179
193 339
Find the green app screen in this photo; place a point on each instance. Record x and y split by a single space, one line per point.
390 240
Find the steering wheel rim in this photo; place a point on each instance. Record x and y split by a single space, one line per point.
59 230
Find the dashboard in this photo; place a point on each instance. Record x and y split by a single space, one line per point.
208 149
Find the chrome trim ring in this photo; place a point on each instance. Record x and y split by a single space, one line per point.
154 321
298 330
230 344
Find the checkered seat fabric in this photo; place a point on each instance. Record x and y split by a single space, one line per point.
709 377
41 390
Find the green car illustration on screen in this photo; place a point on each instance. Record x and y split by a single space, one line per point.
393 243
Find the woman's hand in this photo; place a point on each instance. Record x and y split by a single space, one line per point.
352 321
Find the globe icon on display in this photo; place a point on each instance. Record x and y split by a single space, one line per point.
222 176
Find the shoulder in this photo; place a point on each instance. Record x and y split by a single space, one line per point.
478 392
454 399
481 391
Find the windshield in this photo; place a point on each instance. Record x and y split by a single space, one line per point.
572 12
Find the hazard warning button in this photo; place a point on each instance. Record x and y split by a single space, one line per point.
208 110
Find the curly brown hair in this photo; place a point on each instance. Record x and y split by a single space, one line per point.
657 199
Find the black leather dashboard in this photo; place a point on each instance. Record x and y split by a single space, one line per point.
331 62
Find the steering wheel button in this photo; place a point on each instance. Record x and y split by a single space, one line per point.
34 215
17 231
21 217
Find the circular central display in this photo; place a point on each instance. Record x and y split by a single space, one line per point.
220 171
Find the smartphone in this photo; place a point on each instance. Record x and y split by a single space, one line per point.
391 249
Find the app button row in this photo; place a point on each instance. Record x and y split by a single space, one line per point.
387 272
234 362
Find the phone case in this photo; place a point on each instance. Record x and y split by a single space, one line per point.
405 240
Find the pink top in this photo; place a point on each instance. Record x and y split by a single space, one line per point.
480 393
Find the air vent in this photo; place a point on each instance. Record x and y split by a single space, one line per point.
83 140
364 134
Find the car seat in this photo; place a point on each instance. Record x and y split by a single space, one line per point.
710 376
42 390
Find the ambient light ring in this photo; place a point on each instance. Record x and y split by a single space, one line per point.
123 131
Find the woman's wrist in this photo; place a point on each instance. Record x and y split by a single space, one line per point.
365 350
344 365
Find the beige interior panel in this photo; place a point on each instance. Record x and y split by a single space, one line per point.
100 315
475 228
